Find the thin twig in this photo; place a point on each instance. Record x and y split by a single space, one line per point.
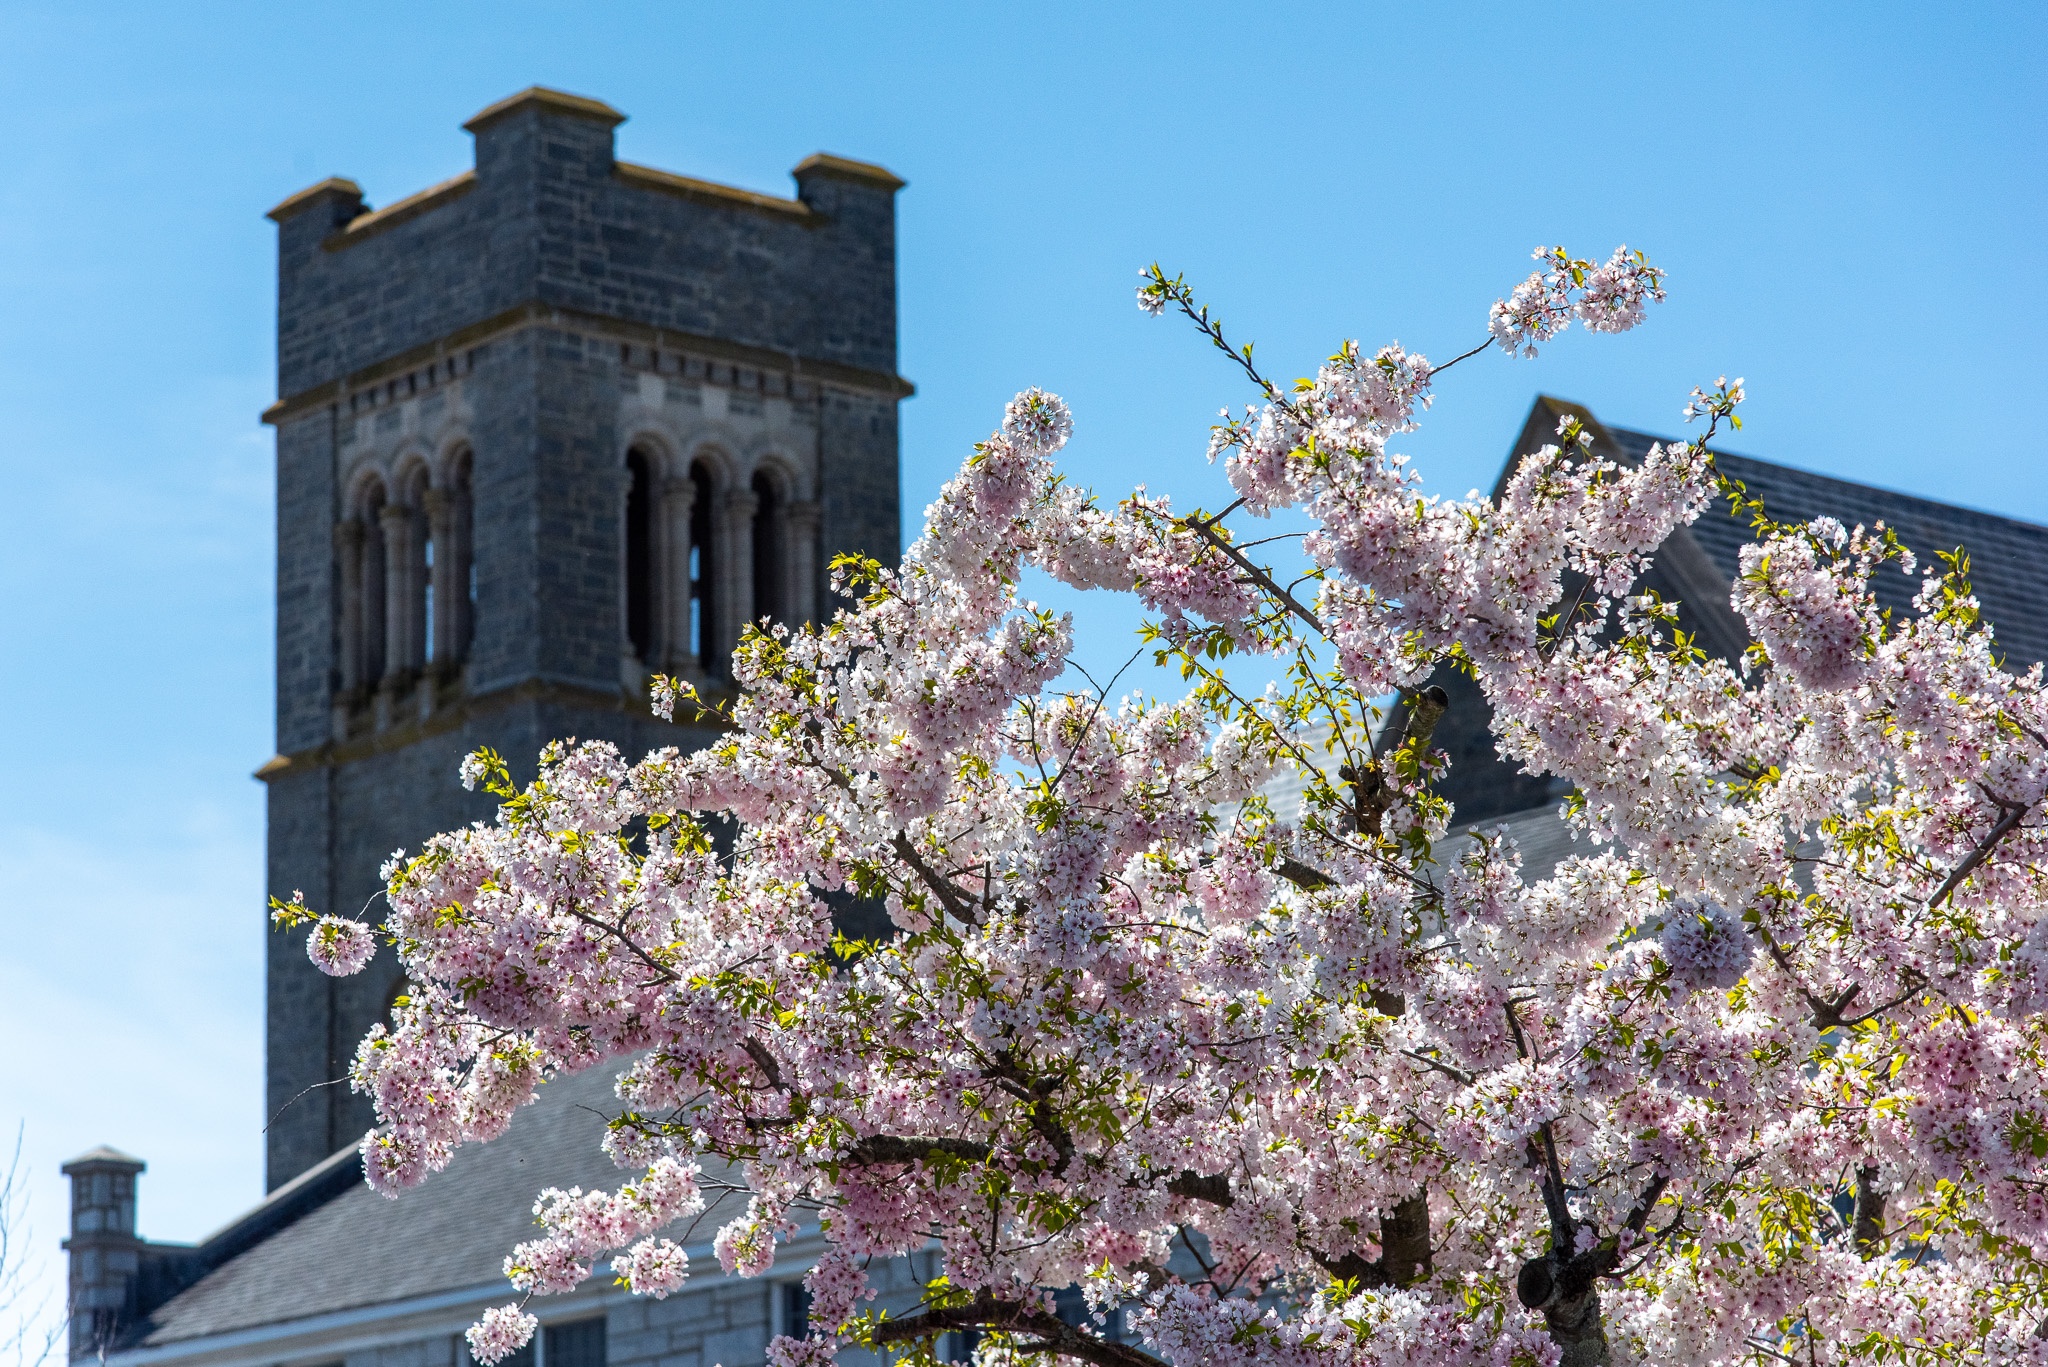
2014 811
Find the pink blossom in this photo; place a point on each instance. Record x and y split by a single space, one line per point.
655 1267
503 1331
338 946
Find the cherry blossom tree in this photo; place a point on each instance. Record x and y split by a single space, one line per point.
1755 1077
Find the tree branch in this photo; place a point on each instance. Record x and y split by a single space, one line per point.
1867 1231
2014 811
950 897
985 1312
1206 529
1036 1095
1302 876
879 1150
1826 1014
1193 1186
765 1061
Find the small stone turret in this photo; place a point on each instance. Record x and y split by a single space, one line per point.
119 1279
105 1253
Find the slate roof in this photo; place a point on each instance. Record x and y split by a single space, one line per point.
2008 558
449 1234
1696 566
1539 834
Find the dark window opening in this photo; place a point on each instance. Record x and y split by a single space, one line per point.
427 595
578 1344
372 590
768 555
640 557
462 560
796 1310
703 640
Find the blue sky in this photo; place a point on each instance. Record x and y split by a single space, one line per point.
1852 212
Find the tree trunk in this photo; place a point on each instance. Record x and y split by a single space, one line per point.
1568 1294
1575 1327
1404 1240
1868 1230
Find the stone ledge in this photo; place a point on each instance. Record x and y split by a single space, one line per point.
454 717
850 169
538 314
294 204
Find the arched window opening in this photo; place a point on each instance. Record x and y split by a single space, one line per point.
703 637
407 530
769 550
370 635
640 556
457 617
427 590
405 579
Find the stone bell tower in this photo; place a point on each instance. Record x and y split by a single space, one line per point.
544 429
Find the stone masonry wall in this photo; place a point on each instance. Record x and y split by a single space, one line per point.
543 312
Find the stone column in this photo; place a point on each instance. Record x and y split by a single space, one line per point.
348 554
400 593
678 502
800 541
632 669
105 1254
736 574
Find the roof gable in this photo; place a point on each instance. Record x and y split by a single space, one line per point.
2008 558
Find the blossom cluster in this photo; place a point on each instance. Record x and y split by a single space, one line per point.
1609 297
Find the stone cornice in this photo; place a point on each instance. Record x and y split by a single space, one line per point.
553 101
459 713
294 203
537 314
850 169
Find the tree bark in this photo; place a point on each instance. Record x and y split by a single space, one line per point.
1868 1230
1568 1294
1404 1240
1575 1327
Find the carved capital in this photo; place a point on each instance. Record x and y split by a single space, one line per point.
680 490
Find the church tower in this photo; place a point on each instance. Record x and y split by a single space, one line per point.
544 429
